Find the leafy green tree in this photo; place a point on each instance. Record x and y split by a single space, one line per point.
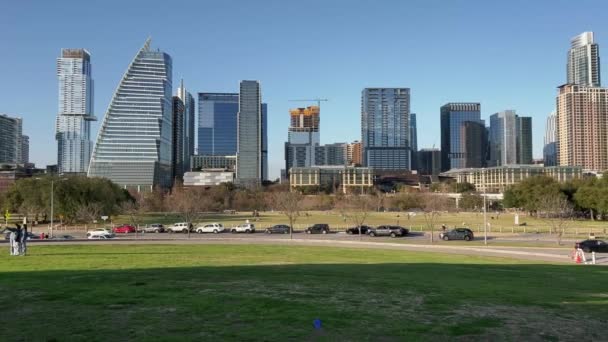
526 195
471 201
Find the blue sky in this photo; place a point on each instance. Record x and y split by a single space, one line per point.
506 55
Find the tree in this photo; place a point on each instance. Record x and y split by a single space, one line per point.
190 203
356 209
462 187
88 212
470 201
432 205
527 194
289 204
557 211
133 209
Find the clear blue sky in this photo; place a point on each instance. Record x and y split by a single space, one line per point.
506 55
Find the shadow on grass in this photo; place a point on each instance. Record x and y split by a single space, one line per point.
428 301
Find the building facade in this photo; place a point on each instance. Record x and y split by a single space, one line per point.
413 141
331 154
73 124
510 139
249 163
134 147
209 177
177 141
335 177
11 141
550 141
198 162
474 137
429 161
498 179
302 137
582 133
188 140
25 149
524 140
217 125
453 144
584 61
385 128
353 154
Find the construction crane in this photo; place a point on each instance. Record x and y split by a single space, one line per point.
310 100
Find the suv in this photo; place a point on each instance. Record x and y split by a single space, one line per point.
243 228
392 231
154 228
181 227
355 230
318 228
457 234
278 228
99 231
588 246
210 228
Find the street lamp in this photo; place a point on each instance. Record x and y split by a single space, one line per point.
52 201
485 216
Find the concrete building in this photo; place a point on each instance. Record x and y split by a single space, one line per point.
582 133
73 124
133 147
11 139
385 128
453 142
353 154
208 177
497 179
249 165
212 162
584 61
335 177
302 137
550 141
429 161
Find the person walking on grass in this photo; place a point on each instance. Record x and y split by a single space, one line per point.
23 241
12 242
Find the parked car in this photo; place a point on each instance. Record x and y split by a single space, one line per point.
318 228
99 231
457 234
124 229
588 246
355 230
210 228
100 237
180 227
243 228
392 231
62 237
154 228
278 229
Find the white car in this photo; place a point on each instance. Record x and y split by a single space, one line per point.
181 227
243 228
210 228
99 232
100 237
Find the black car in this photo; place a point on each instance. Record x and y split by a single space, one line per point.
318 228
392 231
355 230
458 234
278 229
588 246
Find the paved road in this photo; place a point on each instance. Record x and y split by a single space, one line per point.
414 242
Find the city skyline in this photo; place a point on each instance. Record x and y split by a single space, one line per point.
342 78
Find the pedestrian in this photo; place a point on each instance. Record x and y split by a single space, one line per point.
443 227
23 241
12 240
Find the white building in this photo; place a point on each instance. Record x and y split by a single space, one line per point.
208 177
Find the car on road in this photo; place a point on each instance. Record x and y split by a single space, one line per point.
457 234
124 229
355 230
318 228
100 237
210 228
62 237
278 229
386 230
99 231
243 228
588 246
154 228
180 227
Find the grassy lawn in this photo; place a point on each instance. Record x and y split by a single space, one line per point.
246 292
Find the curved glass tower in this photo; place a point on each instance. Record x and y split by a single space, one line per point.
133 147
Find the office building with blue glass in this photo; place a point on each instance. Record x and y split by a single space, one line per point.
454 136
217 128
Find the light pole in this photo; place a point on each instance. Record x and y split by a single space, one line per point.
52 203
485 216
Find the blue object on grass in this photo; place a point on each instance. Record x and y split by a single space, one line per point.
317 323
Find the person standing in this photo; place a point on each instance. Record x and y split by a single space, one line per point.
12 242
23 241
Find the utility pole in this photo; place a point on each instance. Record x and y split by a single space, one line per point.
485 216
52 203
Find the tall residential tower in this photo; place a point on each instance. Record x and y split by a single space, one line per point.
584 61
249 160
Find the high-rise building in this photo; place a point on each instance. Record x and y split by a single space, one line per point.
453 144
550 146
429 161
264 142
510 139
302 137
25 149
73 124
249 126
217 125
413 141
385 128
133 147
353 154
330 154
177 141
584 61
188 136
524 140
10 139
474 137
582 133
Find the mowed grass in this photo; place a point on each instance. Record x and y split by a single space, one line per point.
259 292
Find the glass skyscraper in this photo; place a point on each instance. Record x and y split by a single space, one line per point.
249 163
385 128
133 148
550 147
217 125
73 124
11 139
584 61
414 141
453 143
510 139
188 127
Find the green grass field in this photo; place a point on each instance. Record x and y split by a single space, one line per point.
247 292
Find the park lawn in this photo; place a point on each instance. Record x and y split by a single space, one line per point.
259 292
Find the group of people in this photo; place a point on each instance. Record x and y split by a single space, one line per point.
17 238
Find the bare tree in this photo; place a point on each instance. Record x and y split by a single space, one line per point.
432 206
190 203
556 211
289 204
356 210
134 211
88 212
